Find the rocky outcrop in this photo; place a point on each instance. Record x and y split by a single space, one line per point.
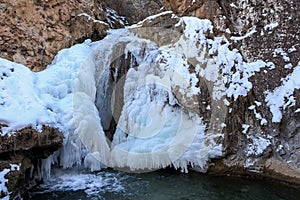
208 9
22 150
33 31
204 9
135 10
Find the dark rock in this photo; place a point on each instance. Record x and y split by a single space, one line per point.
25 148
135 10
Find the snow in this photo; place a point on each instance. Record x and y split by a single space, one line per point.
57 97
152 17
91 18
245 128
288 66
237 38
257 103
37 97
166 134
257 145
282 96
292 49
233 5
3 180
271 26
281 52
258 116
112 17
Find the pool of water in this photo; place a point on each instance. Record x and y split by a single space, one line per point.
160 185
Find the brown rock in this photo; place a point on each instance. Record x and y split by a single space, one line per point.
199 8
24 148
45 27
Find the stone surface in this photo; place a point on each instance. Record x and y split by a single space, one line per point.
33 31
200 8
135 10
25 148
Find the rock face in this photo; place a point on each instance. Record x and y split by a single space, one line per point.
135 10
24 148
208 9
33 31
204 9
275 38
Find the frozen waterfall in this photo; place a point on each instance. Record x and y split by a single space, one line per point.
137 82
128 102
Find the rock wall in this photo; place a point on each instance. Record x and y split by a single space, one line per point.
274 24
266 30
135 10
33 31
199 8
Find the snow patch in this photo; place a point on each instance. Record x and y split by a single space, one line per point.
258 116
233 6
257 145
238 38
3 180
281 52
245 128
292 49
112 17
282 96
271 26
152 17
91 18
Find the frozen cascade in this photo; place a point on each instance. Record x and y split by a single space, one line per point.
153 129
136 80
148 90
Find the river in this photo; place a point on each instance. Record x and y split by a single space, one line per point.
159 185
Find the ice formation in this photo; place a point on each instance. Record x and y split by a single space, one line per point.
91 184
157 125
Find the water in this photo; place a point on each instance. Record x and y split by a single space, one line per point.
160 185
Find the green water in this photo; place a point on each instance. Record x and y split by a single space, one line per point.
165 186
